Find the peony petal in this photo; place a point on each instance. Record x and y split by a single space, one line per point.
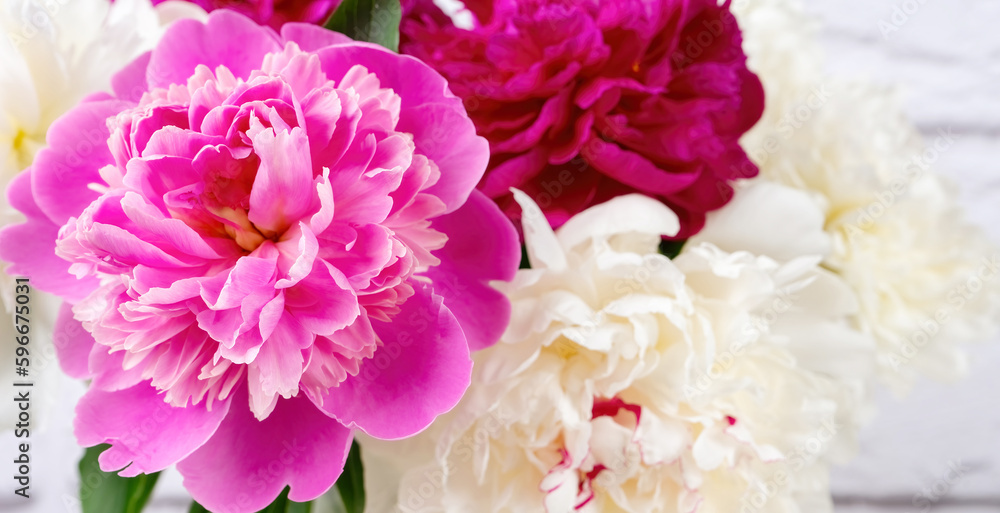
295 446
107 371
73 344
311 37
420 371
283 191
146 434
469 261
634 213
30 247
179 238
77 150
130 83
279 365
324 302
543 247
437 119
188 43
766 218
634 170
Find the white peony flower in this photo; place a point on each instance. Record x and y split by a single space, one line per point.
925 279
53 54
719 382
57 52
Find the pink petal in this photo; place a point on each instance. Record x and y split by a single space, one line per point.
130 83
436 118
311 37
250 275
146 434
179 238
77 150
188 43
514 172
107 371
371 252
73 344
31 247
469 261
634 170
283 191
172 141
278 366
298 248
324 302
421 371
247 463
124 247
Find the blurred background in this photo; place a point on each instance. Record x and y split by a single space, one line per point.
938 449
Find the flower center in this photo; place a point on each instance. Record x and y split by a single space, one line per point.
19 139
25 147
238 226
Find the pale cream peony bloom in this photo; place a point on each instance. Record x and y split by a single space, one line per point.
718 382
53 54
925 279
57 52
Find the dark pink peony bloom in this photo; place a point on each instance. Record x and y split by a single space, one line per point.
274 13
584 100
265 241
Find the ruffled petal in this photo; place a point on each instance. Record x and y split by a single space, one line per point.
441 129
30 247
73 344
77 150
420 371
297 446
469 261
146 434
283 191
311 37
189 43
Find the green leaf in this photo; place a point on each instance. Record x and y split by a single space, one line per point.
280 505
107 492
298 507
197 508
525 261
348 498
351 483
331 502
375 21
671 248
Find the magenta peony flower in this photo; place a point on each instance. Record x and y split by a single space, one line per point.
274 13
584 100
279 242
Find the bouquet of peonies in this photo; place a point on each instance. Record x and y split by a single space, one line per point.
281 241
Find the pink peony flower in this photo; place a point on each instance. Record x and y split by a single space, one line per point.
584 100
273 240
274 13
